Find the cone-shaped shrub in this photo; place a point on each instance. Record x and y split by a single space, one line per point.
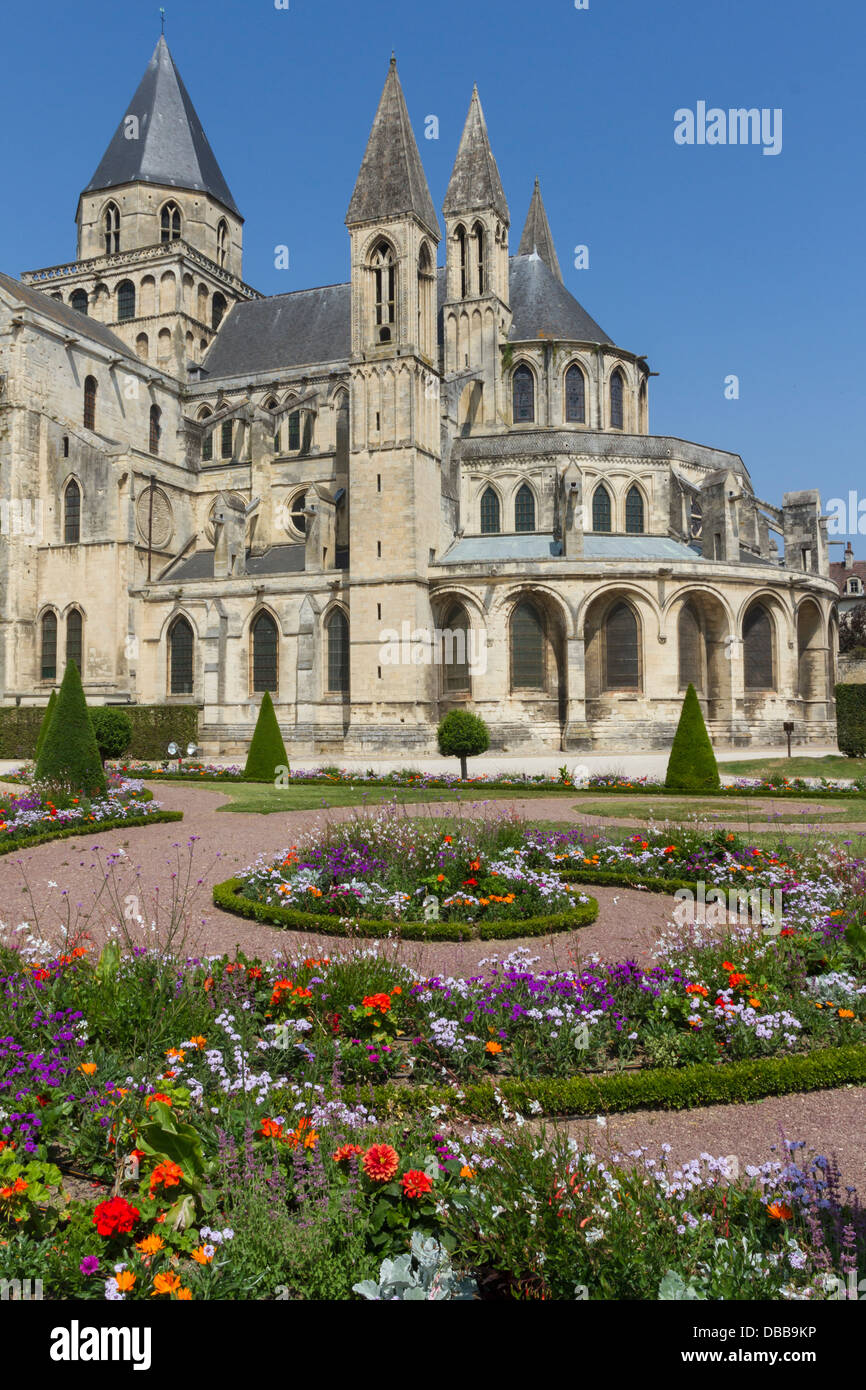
69 757
692 764
267 751
46 723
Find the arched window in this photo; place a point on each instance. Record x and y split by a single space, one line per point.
528 656
481 269
426 301
524 510
384 291
758 654
523 396
455 651
142 346
180 657
126 300
342 409
223 243
90 402
111 229
462 261
49 647
155 428
78 300
616 412
206 439
298 517
218 306
490 513
575 396
634 512
170 222
601 509
337 641
690 640
294 431
74 625
227 438
265 648
72 514
621 650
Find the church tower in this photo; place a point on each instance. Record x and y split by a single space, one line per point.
537 238
160 238
476 314
394 483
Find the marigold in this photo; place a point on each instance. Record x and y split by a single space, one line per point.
88 1068
415 1183
467 1172
380 1162
846 1013
184 1295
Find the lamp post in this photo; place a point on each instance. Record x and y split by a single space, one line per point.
789 729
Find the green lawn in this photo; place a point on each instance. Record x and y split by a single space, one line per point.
264 799
834 765
743 810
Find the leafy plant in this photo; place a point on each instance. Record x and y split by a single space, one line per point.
424 1274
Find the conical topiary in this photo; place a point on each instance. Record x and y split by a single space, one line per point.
267 751
46 723
69 757
692 764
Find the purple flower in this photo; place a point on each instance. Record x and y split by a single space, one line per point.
89 1265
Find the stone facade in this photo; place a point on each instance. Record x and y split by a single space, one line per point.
380 500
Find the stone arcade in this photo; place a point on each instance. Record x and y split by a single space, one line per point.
239 493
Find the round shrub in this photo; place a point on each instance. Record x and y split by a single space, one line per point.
462 735
113 730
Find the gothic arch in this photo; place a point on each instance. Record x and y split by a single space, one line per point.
524 394
336 651
575 393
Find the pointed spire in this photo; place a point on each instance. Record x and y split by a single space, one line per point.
165 144
537 237
392 180
475 182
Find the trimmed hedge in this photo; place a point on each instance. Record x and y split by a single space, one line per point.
851 719
267 752
661 1088
46 723
621 878
227 896
692 764
88 828
153 728
69 756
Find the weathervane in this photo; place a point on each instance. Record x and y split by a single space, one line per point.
162 15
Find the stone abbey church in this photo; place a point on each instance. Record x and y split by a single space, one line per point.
207 493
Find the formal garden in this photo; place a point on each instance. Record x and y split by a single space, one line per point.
400 1080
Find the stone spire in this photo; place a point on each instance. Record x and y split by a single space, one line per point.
475 183
537 236
392 182
160 139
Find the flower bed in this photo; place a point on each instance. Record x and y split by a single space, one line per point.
35 818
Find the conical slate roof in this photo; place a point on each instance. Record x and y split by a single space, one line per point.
392 180
475 182
171 148
537 235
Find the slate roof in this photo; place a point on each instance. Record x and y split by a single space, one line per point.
475 183
172 147
309 327
279 559
537 235
391 180
489 549
66 317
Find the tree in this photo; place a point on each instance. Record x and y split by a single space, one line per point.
113 730
69 757
267 751
852 631
692 764
46 723
462 735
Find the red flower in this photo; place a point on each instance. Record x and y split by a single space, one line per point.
271 1129
470 883
347 1151
382 1002
165 1174
115 1217
415 1183
380 1162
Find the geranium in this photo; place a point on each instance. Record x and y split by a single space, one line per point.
380 1162
415 1183
158 1095
116 1217
166 1174
382 1002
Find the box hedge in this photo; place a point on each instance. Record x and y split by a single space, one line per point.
153 729
851 719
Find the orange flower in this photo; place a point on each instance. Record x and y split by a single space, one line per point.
780 1211
176 1053
475 865
201 1256
415 1183
165 1283
150 1245
125 1280
270 1129
467 1172
184 1295
166 1174
846 1013
345 1152
380 1162
159 1095
493 1047
88 1068
755 1003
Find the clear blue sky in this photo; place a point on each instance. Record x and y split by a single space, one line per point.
712 260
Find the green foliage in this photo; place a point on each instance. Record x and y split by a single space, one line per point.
851 719
153 728
69 757
46 723
227 895
424 1273
462 735
113 730
44 837
692 764
267 751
